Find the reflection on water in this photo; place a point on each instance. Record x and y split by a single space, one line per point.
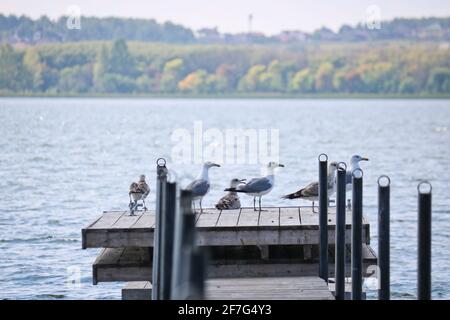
63 161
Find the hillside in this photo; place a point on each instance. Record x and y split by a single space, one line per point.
107 67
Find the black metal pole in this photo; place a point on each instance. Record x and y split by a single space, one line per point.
384 189
357 215
184 211
339 256
161 180
424 242
167 243
323 217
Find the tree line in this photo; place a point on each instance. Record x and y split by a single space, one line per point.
22 29
148 68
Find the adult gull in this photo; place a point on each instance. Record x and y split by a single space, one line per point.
200 186
258 187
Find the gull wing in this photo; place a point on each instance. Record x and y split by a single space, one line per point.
256 185
198 187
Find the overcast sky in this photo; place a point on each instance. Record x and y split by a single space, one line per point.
269 16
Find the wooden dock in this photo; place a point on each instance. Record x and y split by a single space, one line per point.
279 246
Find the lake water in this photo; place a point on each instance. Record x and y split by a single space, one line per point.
63 161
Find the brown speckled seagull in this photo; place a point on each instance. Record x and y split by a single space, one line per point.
311 191
231 200
139 190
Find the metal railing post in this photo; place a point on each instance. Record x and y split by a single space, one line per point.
339 257
357 215
424 242
384 238
323 217
167 241
161 181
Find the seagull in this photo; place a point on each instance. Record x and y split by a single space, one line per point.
138 191
257 187
354 164
200 186
231 200
311 191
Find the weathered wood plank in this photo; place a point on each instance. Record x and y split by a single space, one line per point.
208 219
107 220
248 218
269 218
146 220
137 290
228 218
289 217
291 288
125 221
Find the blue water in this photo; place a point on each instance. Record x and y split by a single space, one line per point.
63 161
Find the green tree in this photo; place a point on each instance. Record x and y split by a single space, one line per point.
439 80
251 81
34 66
303 81
172 72
120 60
324 77
14 76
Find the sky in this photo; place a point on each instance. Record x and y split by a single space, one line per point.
269 16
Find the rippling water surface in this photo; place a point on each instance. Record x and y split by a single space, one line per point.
63 161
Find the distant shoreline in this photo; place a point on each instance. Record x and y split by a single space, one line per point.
236 96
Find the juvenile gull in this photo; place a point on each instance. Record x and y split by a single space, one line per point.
257 187
231 200
200 186
311 191
138 191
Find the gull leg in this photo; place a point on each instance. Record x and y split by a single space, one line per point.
313 208
254 203
201 209
145 207
260 204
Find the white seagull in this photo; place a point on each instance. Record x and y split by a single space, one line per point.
200 186
354 164
231 200
311 191
257 187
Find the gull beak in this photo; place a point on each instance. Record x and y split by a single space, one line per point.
215 165
364 159
281 165
243 180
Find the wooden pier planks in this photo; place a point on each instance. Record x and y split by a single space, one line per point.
134 264
286 288
251 288
278 225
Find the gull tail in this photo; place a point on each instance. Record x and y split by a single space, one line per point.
234 190
294 195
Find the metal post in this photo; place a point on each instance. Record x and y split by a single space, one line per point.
424 241
323 217
167 236
161 181
197 275
339 258
357 214
184 211
384 291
